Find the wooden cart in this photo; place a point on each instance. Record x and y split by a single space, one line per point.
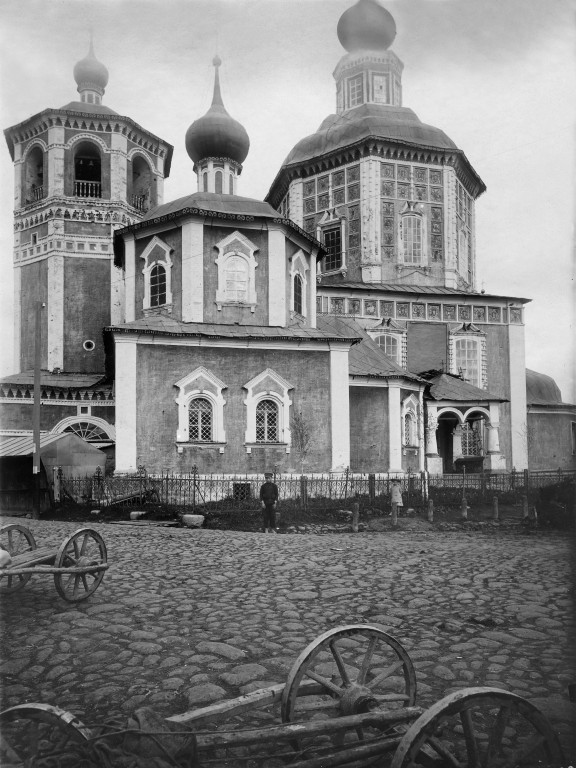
78 565
349 700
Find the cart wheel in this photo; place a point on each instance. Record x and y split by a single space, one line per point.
346 671
15 539
480 726
83 548
31 733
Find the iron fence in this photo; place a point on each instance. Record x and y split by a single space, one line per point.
328 491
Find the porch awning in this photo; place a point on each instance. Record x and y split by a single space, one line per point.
447 386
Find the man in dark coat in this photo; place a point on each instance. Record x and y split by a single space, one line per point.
268 499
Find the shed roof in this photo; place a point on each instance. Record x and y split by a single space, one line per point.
448 386
420 290
23 445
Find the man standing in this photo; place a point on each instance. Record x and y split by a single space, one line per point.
268 499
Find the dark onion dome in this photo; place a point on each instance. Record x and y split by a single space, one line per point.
216 134
91 73
368 120
366 26
541 389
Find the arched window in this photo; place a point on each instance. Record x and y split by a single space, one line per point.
205 182
141 197
231 184
409 432
34 179
267 422
333 248
218 182
467 360
87 170
412 238
87 431
390 345
200 420
157 285
298 294
236 279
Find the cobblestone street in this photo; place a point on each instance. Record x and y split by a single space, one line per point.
185 617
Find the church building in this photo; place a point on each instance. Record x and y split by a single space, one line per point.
334 325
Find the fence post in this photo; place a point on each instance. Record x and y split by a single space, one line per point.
526 480
194 469
464 509
372 489
424 485
495 510
346 485
430 510
355 516
303 493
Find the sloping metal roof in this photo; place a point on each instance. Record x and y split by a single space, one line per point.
58 380
210 201
421 290
22 445
168 326
541 389
447 386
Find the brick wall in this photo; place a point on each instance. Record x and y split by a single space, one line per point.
369 429
160 367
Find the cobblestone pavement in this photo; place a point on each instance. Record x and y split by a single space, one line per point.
185 617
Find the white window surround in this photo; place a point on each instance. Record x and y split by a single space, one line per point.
201 383
236 245
299 267
390 327
268 385
330 220
149 264
410 408
470 332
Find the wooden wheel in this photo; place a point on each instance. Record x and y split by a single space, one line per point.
84 548
15 539
32 733
476 727
356 669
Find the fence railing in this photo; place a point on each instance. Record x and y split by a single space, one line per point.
328 491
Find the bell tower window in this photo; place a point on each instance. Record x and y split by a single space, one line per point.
87 171
34 176
333 246
141 197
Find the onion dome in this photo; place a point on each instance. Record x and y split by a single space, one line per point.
366 26
216 134
91 74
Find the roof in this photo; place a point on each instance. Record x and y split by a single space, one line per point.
58 380
84 106
366 358
23 445
542 389
419 290
219 203
447 386
165 325
372 122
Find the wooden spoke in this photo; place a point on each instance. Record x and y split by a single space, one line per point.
386 673
340 664
328 684
383 697
16 540
367 660
472 723
84 548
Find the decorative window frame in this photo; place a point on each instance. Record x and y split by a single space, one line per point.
149 264
413 209
469 330
69 421
200 383
268 385
238 245
390 327
331 219
410 407
299 267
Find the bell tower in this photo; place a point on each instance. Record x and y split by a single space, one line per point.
80 172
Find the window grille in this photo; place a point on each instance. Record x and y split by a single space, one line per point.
298 294
412 236
333 247
472 439
355 91
267 422
157 286
236 277
87 431
200 420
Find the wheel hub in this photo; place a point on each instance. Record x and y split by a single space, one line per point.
357 700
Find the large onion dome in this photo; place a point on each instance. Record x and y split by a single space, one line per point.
366 26
91 74
216 134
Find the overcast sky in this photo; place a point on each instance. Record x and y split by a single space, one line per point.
498 76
